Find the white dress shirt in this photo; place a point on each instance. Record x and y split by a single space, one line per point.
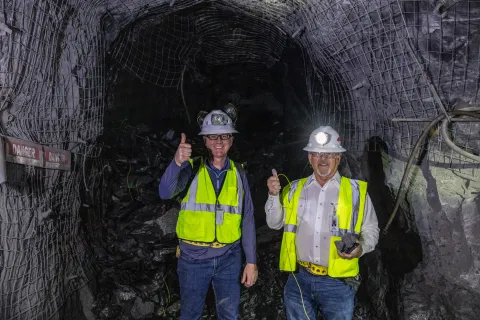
315 217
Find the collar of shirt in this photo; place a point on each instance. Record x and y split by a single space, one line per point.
226 166
335 179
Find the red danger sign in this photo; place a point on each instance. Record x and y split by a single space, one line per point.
57 159
24 152
28 153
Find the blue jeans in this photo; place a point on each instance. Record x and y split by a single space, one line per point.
195 276
333 297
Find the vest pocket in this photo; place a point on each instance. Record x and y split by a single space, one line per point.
338 267
288 253
303 213
196 226
230 230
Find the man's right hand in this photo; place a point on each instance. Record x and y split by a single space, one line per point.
184 151
273 184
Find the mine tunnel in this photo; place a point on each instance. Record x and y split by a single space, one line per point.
96 93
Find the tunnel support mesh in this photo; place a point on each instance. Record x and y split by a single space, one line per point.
366 62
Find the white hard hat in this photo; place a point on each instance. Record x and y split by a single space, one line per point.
217 122
324 139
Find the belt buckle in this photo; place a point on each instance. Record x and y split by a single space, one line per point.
216 245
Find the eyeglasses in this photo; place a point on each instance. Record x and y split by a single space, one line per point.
323 155
216 136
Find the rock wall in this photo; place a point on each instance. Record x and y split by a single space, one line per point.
444 211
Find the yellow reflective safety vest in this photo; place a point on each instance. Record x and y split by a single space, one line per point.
350 209
204 219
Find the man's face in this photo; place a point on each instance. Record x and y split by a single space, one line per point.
218 144
325 165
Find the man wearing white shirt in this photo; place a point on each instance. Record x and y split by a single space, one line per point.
329 222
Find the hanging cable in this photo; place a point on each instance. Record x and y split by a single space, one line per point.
451 144
183 94
469 112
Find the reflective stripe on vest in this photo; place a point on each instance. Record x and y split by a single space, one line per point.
293 188
210 207
351 203
290 228
355 210
198 220
288 255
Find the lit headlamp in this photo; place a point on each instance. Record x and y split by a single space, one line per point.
321 138
219 119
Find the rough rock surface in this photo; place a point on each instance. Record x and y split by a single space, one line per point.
444 210
360 72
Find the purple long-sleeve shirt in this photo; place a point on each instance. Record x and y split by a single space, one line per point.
174 181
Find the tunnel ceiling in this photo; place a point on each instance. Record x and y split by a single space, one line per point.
371 67
158 48
370 58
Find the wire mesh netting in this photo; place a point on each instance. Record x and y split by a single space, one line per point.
379 63
156 50
226 37
52 84
53 66
369 49
370 67
43 260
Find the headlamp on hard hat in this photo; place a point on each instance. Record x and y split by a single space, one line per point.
322 138
215 122
219 119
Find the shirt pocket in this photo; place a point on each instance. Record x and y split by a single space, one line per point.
306 210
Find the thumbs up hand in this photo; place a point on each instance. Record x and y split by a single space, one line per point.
273 184
184 151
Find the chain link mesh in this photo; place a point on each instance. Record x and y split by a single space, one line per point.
366 63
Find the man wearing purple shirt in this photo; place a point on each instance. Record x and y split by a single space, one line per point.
216 215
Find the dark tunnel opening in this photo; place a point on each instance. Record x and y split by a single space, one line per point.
143 122
272 101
